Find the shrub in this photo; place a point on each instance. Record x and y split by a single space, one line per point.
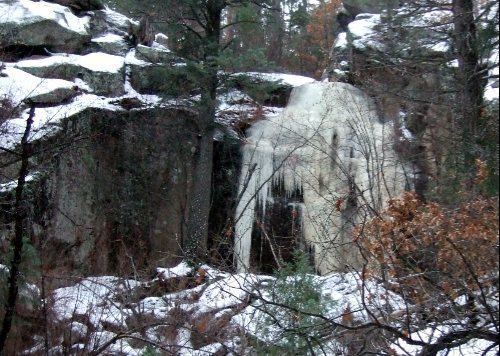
296 304
430 250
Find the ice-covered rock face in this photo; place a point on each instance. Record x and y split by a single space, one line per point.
329 146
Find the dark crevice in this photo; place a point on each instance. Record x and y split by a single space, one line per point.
17 52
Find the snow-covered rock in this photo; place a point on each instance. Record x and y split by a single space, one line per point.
30 23
363 32
19 86
104 73
110 43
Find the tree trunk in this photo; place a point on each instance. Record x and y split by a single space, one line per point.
471 90
199 205
17 242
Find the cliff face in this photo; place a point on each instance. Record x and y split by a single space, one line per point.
111 168
119 194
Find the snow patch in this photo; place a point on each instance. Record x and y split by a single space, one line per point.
93 297
118 20
229 291
491 89
341 41
181 270
474 347
288 79
108 38
9 186
131 58
46 120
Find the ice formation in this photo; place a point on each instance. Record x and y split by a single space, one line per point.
328 145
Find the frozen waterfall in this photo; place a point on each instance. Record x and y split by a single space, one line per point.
328 145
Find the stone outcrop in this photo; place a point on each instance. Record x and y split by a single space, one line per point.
109 43
58 29
401 59
113 167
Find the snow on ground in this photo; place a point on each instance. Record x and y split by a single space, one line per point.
27 11
474 347
341 292
230 291
244 298
97 62
94 298
181 270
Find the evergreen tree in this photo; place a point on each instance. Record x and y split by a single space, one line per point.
196 29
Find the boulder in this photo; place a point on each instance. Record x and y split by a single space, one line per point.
109 21
104 73
18 87
28 23
157 54
54 97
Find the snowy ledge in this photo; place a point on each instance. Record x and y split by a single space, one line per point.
97 62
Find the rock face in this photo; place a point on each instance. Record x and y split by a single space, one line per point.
402 59
119 198
104 73
119 138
